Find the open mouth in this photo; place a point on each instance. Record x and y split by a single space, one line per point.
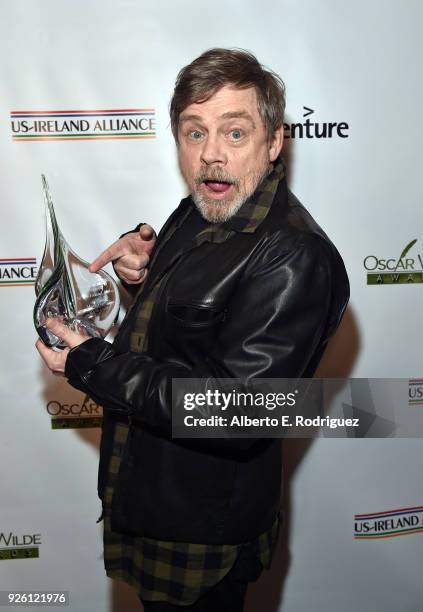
217 187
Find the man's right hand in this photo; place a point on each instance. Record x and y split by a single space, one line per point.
130 255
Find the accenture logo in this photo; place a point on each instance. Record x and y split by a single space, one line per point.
316 129
18 272
390 524
104 124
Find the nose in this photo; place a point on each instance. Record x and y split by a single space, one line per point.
213 151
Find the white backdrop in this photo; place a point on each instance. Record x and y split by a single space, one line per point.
351 63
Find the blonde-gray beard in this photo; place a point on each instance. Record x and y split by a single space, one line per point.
219 211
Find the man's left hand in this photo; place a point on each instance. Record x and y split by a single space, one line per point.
56 360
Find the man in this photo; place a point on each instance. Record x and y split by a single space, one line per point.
241 283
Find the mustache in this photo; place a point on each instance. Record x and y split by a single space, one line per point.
215 174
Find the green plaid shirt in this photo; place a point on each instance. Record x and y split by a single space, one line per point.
180 572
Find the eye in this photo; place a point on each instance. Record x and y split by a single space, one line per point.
235 134
195 135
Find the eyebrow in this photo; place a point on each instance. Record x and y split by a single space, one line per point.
239 115
183 118
229 115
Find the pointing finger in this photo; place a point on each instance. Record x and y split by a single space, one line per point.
114 251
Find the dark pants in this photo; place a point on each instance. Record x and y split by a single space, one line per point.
226 596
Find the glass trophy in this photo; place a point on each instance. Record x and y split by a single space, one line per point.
86 302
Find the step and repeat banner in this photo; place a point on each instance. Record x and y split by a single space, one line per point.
85 88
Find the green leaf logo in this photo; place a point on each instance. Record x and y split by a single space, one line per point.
405 251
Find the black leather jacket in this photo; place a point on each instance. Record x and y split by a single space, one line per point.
251 304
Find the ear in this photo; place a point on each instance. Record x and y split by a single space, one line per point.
275 144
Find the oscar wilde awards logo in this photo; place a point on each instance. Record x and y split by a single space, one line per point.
105 124
74 414
415 392
19 546
402 270
18 272
389 524
316 129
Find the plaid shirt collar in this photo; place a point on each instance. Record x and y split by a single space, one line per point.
256 208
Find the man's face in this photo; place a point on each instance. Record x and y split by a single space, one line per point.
224 151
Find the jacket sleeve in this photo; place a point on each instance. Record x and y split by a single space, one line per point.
275 321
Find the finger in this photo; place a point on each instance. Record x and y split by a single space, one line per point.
136 282
133 276
63 332
147 232
132 262
114 251
54 360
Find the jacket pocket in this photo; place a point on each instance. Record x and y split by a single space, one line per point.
195 314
